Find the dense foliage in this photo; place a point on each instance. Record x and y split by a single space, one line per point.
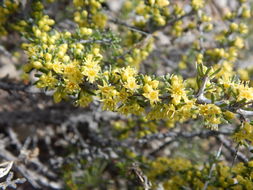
171 69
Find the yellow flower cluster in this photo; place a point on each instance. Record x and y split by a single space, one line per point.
160 3
155 10
245 133
211 113
76 65
7 8
115 97
244 92
181 173
150 90
72 68
177 90
88 13
197 4
241 89
91 66
63 65
128 76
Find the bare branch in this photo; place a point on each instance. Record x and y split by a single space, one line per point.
244 112
135 29
201 91
9 182
232 150
7 86
103 41
201 134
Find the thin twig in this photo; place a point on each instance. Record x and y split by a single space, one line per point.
35 179
245 112
232 150
236 154
212 167
154 152
8 86
133 28
103 41
173 21
202 134
201 91
137 45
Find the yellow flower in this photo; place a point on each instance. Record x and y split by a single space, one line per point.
47 80
131 84
177 89
100 20
48 57
152 2
226 71
90 61
213 120
229 115
123 95
91 72
246 13
250 163
85 31
239 42
147 79
128 72
153 96
36 64
107 91
63 47
248 127
162 3
65 58
186 111
57 67
109 104
152 83
91 68
147 88
71 87
211 113
209 109
72 73
131 109
244 92
244 74
197 4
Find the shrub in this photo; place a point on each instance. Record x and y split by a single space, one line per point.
170 69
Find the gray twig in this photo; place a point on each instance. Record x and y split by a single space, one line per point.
135 29
212 168
232 150
9 182
202 134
